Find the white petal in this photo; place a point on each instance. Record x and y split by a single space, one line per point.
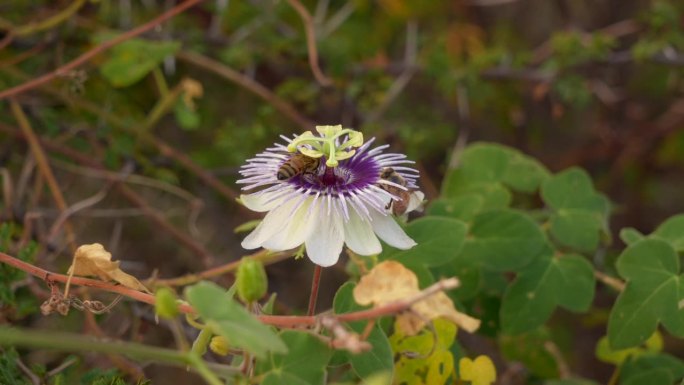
324 245
259 202
299 227
276 220
359 236
389 231
415 201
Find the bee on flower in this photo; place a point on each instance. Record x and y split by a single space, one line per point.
328 190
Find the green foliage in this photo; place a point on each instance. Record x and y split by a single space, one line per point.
227 318
133 59
579 213
438 241
380 357
529 349
652 295
566 281
303 364
10 374
421 76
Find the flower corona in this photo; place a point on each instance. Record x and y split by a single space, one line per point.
326 191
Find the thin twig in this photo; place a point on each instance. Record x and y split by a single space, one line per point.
85 57
464 126
263 256
50 22
563 368
310 42
73 209
609 281
44 167
130 195
410 68
249 84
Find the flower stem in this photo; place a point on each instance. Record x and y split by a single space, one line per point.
79 343
314 290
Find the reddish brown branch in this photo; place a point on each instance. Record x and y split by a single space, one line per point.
63 70
310 42
275 320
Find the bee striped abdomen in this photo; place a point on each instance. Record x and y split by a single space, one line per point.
286 171
296 165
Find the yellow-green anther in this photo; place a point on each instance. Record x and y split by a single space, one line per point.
342 155
310 153
355 140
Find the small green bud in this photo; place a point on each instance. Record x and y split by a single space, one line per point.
165 304
219 345
251 280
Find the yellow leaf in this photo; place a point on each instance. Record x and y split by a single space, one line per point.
94 260
390 281
478 372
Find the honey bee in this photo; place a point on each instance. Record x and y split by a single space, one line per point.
398 206
298 164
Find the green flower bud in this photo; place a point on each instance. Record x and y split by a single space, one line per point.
165 304
219 345
251 280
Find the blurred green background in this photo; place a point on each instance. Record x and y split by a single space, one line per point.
593 83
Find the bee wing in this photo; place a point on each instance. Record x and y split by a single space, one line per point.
416 200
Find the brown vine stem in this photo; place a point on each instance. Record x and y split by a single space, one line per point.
275 320
44 167
310 42
85 57
249 84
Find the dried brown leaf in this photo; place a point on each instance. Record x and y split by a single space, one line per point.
94 260
390 281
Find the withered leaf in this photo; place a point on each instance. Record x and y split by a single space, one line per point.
94 260
390 281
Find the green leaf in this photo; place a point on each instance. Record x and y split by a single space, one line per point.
468 272
630 235
438 241
579 212
463 207
672 230
490 164
230 320
546 283
503 240
528 348
133 59
650 377
187 117
653 292
652 361
493 194
304 363
380 357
